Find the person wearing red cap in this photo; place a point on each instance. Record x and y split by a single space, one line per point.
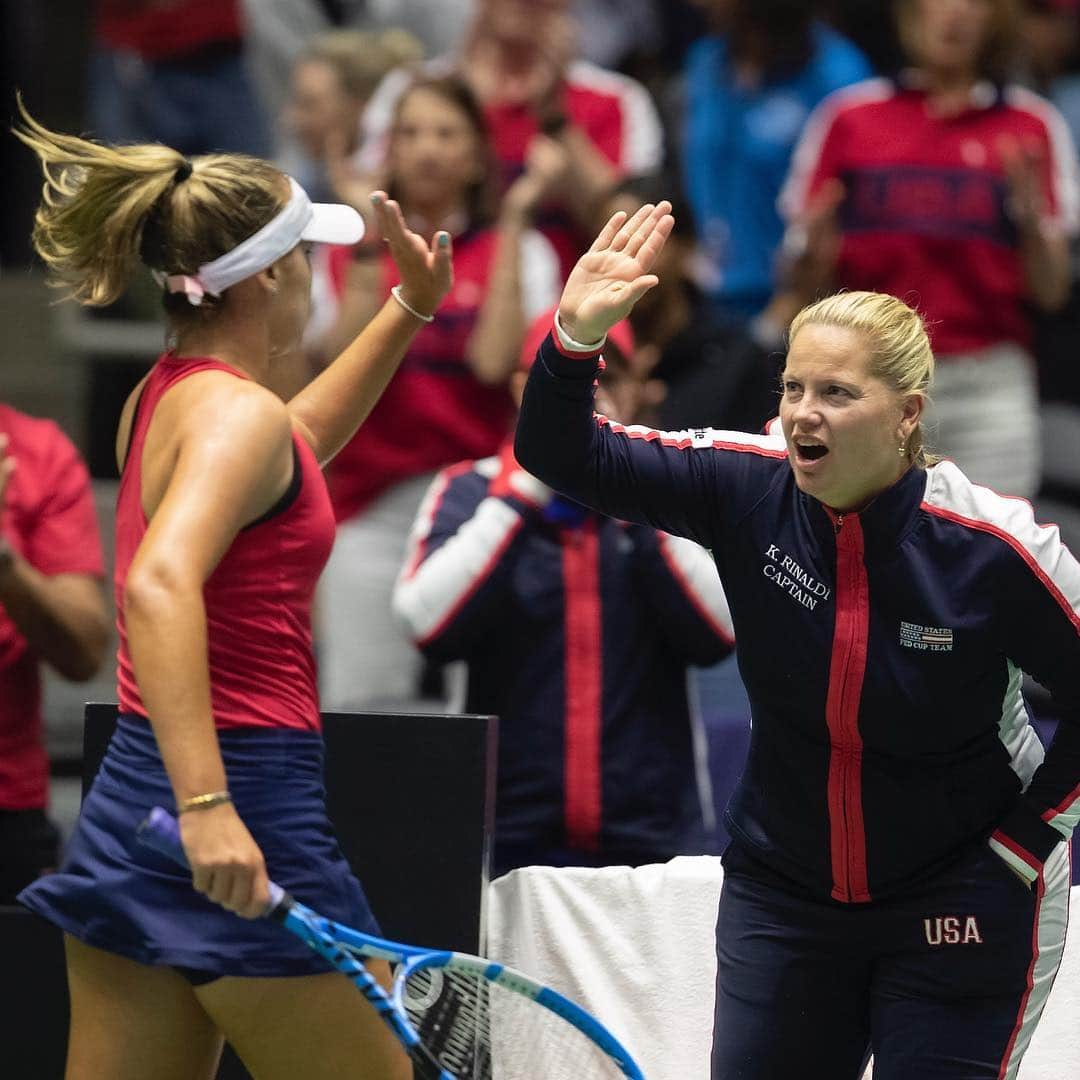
577 631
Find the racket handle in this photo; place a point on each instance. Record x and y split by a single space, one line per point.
161 832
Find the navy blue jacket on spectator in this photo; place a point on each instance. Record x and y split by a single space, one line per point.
577 631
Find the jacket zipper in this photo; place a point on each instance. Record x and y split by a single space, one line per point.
847 835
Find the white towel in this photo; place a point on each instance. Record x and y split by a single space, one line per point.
634 947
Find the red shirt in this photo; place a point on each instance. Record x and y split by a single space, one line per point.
48 517
258 599
435 411
160 29
925 211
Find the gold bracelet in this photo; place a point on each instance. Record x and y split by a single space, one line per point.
203 802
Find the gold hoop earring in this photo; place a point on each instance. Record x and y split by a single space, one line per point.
903 450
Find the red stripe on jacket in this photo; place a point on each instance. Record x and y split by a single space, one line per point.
847 832
584 685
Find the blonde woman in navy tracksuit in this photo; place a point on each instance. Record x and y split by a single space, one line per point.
899 874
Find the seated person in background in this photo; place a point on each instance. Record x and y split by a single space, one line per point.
577 631
519 59
51 608
332 79
449 400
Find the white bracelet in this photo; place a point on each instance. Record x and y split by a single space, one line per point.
572 345
395 292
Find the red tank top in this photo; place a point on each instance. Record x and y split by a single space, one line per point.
258 599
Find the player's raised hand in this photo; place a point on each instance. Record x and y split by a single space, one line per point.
426 270
614 273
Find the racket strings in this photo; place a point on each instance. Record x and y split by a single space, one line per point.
481 1030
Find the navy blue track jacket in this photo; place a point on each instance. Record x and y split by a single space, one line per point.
882 650
578 631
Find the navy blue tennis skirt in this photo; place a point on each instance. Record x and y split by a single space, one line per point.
117 894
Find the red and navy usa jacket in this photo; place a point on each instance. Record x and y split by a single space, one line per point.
577 631
882 651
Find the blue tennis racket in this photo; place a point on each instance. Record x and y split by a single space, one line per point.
459 1017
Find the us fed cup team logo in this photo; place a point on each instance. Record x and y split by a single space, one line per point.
926 638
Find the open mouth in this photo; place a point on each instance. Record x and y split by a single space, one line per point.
810 451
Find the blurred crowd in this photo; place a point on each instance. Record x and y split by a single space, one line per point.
925 148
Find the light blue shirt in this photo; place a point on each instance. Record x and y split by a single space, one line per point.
737 147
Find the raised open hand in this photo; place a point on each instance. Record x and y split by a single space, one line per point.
426 271
613 274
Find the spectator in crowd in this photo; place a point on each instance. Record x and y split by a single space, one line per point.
519 60
449 400
750 87
577 631
959 193
173 71
52 609
331 82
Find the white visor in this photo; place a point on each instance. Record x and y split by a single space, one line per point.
299 219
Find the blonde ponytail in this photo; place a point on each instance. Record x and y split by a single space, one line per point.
106 208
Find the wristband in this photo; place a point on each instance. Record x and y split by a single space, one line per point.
570 344
203 802
395 292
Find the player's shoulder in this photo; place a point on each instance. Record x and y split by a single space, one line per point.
213 404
